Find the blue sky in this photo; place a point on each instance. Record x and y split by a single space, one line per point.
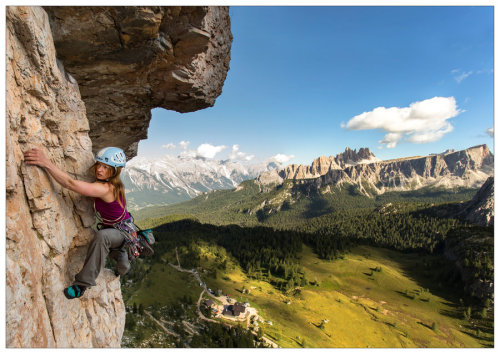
311 81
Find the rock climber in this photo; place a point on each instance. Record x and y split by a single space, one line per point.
109 201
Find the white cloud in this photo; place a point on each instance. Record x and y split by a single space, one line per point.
184 144
460 75
281 158
391 140
238 155
491 132
208 151
169 146
423 121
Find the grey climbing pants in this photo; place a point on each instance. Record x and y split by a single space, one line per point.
106 241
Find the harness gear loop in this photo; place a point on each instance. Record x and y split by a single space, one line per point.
127 228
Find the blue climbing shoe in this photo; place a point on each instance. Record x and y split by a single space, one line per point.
74 291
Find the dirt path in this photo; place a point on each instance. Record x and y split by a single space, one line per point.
177 255
166 330
199 311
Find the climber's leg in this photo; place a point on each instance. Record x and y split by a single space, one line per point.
96 255
122 262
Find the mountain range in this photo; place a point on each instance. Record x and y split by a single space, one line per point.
467 168
169 179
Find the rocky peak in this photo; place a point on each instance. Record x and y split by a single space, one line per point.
48 228
321 165
352 157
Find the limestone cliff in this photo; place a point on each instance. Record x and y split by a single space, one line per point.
48 227
467 168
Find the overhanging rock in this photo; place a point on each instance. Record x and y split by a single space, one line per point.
128 60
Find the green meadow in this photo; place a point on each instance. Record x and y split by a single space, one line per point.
372 297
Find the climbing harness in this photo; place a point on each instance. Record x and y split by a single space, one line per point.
137 241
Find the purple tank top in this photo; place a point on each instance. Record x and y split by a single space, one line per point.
111 212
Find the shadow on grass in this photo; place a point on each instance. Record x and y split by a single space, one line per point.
482 328
391 324
425 325
452 313
411 297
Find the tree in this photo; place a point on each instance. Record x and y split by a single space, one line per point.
130 322
482 313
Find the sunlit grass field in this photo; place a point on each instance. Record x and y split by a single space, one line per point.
370 298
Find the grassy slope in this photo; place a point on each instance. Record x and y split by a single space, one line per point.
362 310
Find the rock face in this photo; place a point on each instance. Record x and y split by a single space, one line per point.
48 228
128 60
467 168
480 210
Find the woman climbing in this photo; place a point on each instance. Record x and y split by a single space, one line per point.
109 201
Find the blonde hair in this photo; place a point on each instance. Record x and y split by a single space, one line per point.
116 182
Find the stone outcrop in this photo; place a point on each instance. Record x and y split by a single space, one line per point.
128 60
480 210
48 228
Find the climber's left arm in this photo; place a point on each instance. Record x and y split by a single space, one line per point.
38 158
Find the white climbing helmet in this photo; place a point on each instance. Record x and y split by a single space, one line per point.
112 156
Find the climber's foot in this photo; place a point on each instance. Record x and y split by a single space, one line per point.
74 291
118 274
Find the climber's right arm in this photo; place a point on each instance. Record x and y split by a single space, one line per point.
38 158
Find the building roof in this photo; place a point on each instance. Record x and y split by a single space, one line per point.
234 310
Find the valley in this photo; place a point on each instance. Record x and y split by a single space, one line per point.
323 262
371 297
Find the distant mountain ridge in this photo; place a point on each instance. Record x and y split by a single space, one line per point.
466 168
170 179
323 164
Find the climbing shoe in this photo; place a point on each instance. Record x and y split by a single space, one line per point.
118 274
74 291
